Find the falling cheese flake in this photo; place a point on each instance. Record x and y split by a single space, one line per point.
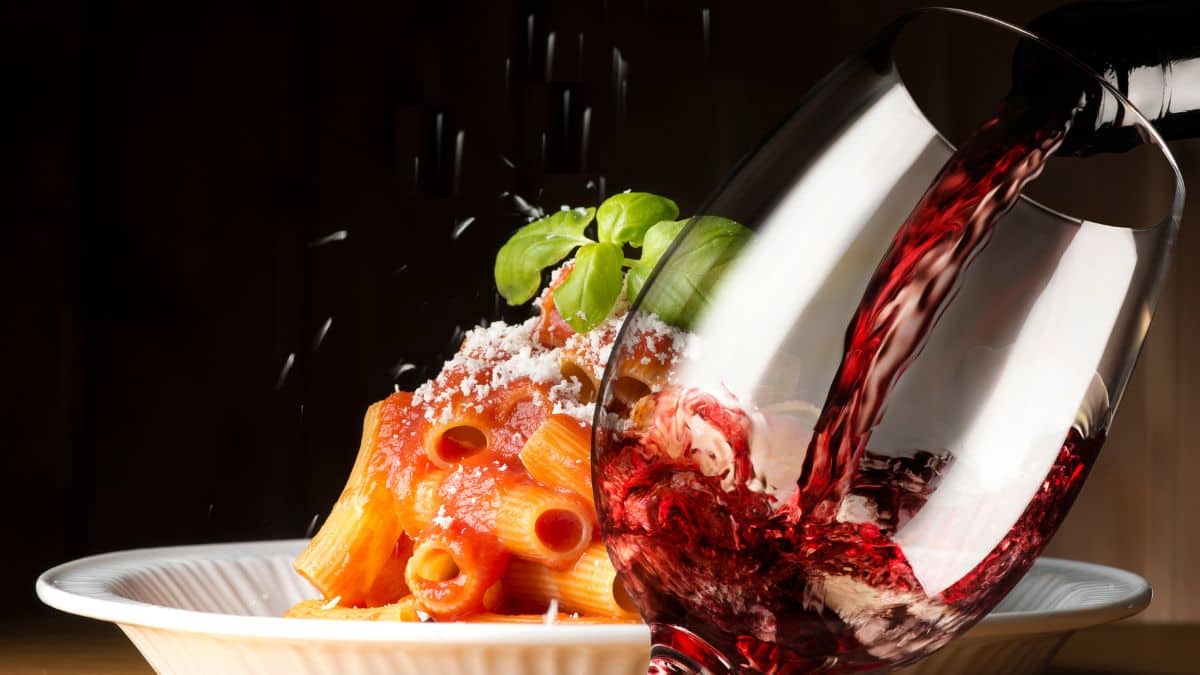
339 235
287 368
551 615
461 226
401 368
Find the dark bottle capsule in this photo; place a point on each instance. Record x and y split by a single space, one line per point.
1149 51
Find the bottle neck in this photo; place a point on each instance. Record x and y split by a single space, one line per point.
1148 51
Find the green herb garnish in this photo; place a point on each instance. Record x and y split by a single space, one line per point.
632 219
591 290
658 238
624 218
535 247
683 287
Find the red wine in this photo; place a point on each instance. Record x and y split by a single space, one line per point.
733 578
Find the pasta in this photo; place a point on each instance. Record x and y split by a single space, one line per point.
558 454
448 444
362 532
545 526
449 576
418 510
590 586
471 498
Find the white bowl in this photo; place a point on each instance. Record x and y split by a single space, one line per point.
216 609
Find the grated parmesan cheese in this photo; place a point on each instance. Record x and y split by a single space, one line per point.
495 358
441 519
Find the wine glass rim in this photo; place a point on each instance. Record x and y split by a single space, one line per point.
1144 125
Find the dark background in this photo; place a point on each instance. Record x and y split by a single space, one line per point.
174 168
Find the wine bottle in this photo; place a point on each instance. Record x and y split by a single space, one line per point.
1149 51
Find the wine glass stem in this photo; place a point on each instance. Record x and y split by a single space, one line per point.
678 651
667 661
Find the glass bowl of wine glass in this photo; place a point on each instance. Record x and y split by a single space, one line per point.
890 369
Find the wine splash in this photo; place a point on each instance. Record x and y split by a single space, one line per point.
732 579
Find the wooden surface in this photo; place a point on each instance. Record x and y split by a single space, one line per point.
78 647
61 646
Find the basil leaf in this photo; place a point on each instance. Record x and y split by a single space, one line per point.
535 247
624 218
590 291
657 239
686 281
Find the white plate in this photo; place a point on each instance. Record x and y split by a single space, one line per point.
215 609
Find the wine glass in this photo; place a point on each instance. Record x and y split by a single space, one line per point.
873 430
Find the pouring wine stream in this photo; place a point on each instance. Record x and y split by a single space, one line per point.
917 277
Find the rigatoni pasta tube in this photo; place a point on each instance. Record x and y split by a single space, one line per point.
360 536
590 586
418 509
545 526
580 371
636 377
450 575
449 443
389 584
558 455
